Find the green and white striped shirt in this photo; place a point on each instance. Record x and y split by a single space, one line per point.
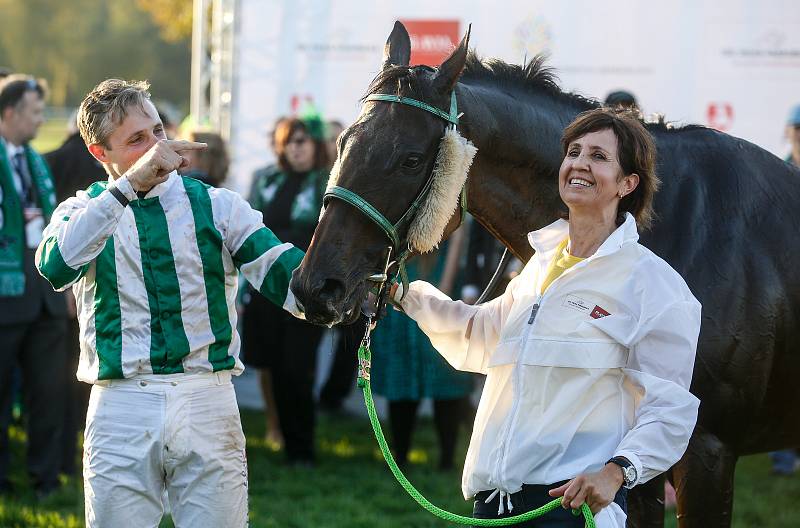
155 282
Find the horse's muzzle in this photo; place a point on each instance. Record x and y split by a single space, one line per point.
324 301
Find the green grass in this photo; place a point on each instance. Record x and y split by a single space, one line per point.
352 487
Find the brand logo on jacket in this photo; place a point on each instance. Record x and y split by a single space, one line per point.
584 306
576 303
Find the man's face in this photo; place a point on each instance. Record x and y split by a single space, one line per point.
130 140
21 123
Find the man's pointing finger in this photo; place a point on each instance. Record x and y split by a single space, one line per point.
181 145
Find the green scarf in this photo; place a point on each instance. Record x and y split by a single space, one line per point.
307 203
12 226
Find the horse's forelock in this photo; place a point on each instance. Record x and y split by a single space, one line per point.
417 79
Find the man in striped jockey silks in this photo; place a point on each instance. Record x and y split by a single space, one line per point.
152 259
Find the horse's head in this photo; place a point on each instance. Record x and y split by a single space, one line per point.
386 158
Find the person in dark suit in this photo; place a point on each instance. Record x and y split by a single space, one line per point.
33 318
73 169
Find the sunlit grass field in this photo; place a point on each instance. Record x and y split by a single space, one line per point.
351 487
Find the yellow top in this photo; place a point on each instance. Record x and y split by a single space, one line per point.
561 262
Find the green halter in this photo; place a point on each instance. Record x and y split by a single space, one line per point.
392 230
452 117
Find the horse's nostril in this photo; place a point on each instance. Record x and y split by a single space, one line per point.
331 290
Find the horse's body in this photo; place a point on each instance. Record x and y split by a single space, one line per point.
728 216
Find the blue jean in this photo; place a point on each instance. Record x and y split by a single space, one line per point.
784 461
530 498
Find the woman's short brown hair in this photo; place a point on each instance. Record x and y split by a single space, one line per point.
284 130
636 154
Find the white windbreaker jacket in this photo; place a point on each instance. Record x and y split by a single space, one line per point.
598 366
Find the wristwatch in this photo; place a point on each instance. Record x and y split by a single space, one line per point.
629 473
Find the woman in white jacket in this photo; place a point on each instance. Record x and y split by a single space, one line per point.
588 354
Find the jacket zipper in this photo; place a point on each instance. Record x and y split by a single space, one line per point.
517 373
515 405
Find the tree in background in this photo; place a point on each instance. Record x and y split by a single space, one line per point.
77 44
174 17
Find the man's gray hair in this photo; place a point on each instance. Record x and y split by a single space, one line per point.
106 106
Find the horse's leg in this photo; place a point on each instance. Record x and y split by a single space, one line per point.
703 481
646 504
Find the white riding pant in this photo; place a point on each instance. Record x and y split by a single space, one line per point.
179 432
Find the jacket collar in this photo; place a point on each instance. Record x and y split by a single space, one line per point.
11 149
546 240
159 189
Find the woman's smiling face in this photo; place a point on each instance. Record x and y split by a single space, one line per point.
590 177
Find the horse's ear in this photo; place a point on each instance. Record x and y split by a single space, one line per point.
451 68
397 51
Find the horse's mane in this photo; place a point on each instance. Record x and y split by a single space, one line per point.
534 76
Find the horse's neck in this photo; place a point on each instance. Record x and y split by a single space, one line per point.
513 184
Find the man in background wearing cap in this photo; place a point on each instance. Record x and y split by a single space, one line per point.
621 99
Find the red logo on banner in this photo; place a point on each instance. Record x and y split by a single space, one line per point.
432 40
720 116
297 101
598 312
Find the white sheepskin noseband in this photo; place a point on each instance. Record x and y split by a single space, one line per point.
449 176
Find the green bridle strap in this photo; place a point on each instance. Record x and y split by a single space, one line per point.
392 230
365 207
452 117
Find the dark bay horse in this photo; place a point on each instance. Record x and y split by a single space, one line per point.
728 221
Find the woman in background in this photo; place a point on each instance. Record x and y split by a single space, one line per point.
289 195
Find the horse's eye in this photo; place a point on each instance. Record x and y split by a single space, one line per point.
412 162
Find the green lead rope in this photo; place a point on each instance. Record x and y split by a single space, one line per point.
364 364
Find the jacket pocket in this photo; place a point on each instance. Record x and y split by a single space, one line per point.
575 354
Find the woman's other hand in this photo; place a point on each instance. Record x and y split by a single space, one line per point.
595 489
395 293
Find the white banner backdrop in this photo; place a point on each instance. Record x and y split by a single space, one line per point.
730 64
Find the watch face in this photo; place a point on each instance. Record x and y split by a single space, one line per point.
630 474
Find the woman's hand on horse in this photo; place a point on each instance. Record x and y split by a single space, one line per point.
395 293
597 490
